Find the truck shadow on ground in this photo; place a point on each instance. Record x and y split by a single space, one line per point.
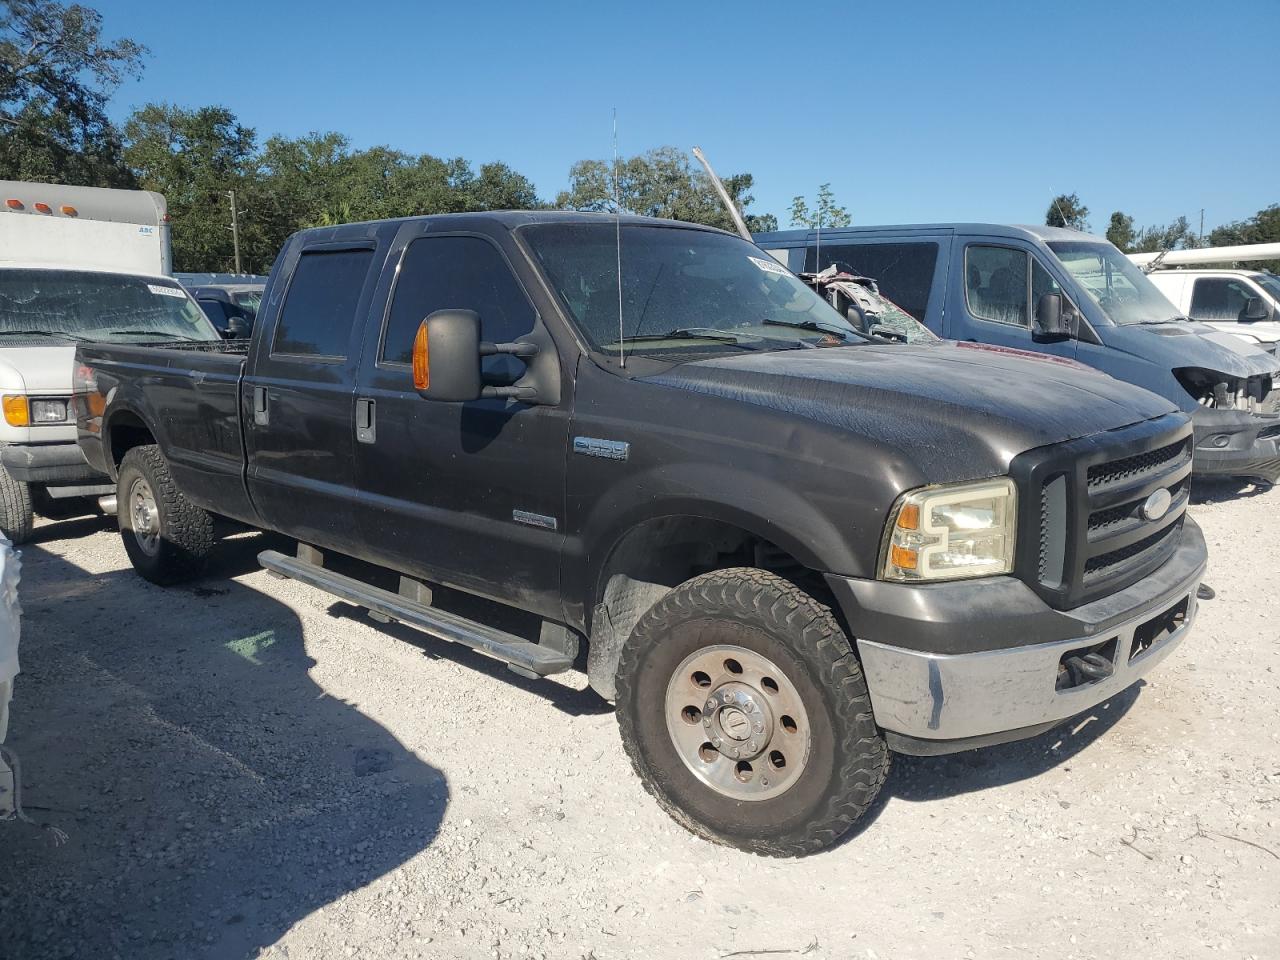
1226 489
213 794
921 779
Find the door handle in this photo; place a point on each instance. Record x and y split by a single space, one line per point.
366 420
261 416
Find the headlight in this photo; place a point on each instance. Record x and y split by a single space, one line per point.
951 532
48 411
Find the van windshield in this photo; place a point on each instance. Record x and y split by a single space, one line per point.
1114 282
40 306
683 291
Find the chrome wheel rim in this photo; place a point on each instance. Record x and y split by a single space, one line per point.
144 517
738 722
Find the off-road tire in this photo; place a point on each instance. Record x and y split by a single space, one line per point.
17 516
848 759
186 531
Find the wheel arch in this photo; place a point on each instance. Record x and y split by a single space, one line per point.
123 429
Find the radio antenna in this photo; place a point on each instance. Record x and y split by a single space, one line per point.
617 225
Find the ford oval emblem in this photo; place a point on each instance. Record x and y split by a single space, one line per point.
1157 505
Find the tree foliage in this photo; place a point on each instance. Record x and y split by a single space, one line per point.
1262 227
1172 236
1066 210
662 182
1120 231
57 74
824 215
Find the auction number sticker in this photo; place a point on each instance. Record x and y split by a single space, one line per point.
167 291
768 266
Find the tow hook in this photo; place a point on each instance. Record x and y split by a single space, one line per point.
1079 669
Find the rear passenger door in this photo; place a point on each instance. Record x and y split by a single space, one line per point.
298 394
469 495
994 296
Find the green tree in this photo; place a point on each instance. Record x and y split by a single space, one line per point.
825 214
1120 232
662 182
1066 210
1173 236
194 157
57 74
1262 227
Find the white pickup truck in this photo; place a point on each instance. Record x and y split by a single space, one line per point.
1241 302
76 264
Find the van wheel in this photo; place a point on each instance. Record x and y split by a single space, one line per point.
166 537
17 516
745 714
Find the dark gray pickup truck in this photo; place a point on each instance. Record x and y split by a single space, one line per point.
787 548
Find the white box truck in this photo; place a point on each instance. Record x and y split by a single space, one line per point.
76 264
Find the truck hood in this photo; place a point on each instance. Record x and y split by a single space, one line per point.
1182 343
37 369
954 410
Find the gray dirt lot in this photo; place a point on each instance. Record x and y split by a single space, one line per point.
246 766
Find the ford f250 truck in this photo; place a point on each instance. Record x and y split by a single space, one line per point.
788 548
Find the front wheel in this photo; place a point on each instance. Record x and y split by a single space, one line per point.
745 714
17 514
166 537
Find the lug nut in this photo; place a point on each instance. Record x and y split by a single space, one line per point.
751 745
759 726
728 698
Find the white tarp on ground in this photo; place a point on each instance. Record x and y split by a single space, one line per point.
10 628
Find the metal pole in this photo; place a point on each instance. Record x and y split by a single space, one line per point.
724 196
235 228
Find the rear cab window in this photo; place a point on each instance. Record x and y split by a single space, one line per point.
320 304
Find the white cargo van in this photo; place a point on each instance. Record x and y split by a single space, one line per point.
76 263
1243 302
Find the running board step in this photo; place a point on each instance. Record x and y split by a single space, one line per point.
522 656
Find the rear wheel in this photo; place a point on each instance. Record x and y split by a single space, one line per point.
744 711
17 516
166 537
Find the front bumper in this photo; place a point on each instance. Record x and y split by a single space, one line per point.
58 464
949 665
1236 443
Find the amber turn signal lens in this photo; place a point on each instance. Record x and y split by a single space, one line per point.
903 557
421 371
69 210
16 413
909 517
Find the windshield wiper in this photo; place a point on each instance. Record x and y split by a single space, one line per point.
683 334
60 334
147 333
813 325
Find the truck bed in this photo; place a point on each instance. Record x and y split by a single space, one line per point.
188 398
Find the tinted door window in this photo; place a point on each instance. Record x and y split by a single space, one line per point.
463 273
1219 298
215 311
903 272
321 303
996 284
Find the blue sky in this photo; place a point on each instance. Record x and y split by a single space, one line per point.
912 111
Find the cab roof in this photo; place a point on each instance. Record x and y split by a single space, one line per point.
1018 231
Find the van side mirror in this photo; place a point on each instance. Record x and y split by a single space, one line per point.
446 359
1255 309
237 329
1052 323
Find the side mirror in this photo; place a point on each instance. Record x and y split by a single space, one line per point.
237 329
1052 323
446 359
1255 309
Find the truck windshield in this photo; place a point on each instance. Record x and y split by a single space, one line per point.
1270 283
43 305
683 291
1114 282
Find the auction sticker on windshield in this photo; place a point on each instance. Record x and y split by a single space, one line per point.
167 291
768 266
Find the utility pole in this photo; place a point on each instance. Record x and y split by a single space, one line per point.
1202 224
235 228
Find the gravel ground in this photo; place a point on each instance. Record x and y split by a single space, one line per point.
246 768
